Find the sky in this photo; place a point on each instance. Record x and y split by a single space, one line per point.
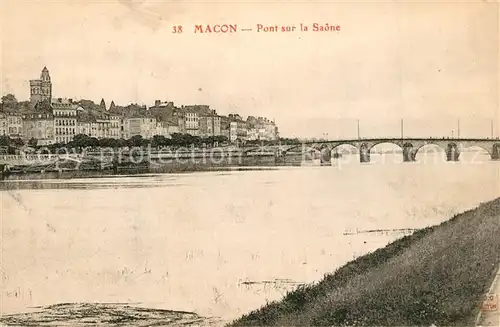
431 64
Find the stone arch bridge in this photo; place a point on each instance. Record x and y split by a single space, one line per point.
409 147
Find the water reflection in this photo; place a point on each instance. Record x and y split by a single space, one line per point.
96 180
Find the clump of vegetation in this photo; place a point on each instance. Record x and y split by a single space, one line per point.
437 275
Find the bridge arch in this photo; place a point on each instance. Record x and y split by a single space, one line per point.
468 146
344 154
386 152
438 152
476 153
374 144
345 148
344 144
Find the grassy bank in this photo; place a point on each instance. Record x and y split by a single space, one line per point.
437 275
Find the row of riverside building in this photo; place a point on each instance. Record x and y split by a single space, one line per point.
57 120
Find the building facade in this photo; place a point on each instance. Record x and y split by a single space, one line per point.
83 127
267 129
210 124
114 126
65 120
192 122
14 125
39 126
100 128
3 124
238 130
143 126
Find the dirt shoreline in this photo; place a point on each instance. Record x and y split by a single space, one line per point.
104 314
438 275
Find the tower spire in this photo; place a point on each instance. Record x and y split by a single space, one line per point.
103 105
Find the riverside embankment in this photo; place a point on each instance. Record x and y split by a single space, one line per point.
438 275
105 164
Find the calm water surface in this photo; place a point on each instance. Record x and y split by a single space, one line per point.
218 243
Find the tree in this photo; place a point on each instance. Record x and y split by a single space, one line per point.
159 140
33 142
108 143
81 141
288 141
221 139
5 140
9 101
93 142
18 142
121 143
25 106
135 140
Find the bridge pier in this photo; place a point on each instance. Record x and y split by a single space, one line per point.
452 156
495 153
364 153
364 157
408 154
326 157
452 153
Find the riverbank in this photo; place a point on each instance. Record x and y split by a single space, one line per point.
86 169
438 275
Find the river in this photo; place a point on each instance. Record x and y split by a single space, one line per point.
218 243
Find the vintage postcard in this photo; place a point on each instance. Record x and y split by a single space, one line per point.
249 163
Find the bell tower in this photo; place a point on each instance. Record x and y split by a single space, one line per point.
41 89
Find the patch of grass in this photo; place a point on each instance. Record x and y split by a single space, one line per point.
437 275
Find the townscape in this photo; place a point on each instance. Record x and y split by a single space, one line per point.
144 180
47 120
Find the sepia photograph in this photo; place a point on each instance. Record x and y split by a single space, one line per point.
249 163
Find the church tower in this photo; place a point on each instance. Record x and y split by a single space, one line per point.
41 89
